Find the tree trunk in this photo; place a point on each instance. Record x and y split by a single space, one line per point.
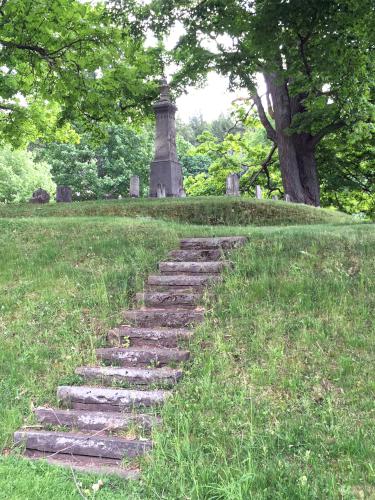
296 151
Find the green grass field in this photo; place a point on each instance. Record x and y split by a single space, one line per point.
278 400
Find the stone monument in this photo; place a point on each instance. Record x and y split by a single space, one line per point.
40 196
165 168
233 185
134 186
63 194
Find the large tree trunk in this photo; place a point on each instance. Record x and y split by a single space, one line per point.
296 151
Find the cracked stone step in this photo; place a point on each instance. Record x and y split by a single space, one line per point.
155 337
195 255
139 376
89 465
144 356
183 280
95 420
193 267
92 445
227 242
169 299
109 399
164 317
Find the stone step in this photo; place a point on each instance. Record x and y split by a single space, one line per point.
170 318
92 445
109 399
193 267
141 356
88 465
226 243
139 376
155 337
182 280
169 299
95 420
195 255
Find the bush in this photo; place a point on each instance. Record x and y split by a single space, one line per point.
20 175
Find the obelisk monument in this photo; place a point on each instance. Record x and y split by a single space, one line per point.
165 168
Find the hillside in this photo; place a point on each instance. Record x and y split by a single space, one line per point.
277 402
211 210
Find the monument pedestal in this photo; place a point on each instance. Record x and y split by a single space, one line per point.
165 168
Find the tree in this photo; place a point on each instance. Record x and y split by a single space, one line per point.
315 57
20 175
73 53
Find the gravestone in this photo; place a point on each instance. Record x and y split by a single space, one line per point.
63 194
134 186
287 198
165 168
258 192
182 193
274 197
233 185
40 196
160 191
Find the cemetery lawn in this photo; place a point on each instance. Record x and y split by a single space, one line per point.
278 401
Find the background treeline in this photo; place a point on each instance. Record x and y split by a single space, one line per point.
99 164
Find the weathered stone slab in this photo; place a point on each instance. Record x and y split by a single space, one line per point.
169 299
156 337
63 194
193 267
134 186
258 192
233 185
195 255
144 356
88 465
40 196
182 280
82 444
109 399
140 376
226 242
164 317
287 198
94 420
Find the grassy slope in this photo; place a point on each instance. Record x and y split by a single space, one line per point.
211 210
278 400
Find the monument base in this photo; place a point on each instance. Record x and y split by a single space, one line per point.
169 173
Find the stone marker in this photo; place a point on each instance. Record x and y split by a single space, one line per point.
63 194
160 191
134 186
165 168
233 185
182 193
275 197
258 192
40 196
287 198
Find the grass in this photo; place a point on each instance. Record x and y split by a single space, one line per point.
278 401
210 210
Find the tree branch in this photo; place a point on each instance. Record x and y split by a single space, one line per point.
271 133
325 131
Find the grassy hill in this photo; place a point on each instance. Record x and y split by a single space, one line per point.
211 210
278 400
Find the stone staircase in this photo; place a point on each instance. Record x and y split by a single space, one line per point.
107 422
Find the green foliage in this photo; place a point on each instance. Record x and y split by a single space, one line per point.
20 175
75 54
96 169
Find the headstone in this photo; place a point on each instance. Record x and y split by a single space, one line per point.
63 194
160 191
182 193
287 198
258 192
165 168
275 197
134 186
110 196
233 185
40 196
